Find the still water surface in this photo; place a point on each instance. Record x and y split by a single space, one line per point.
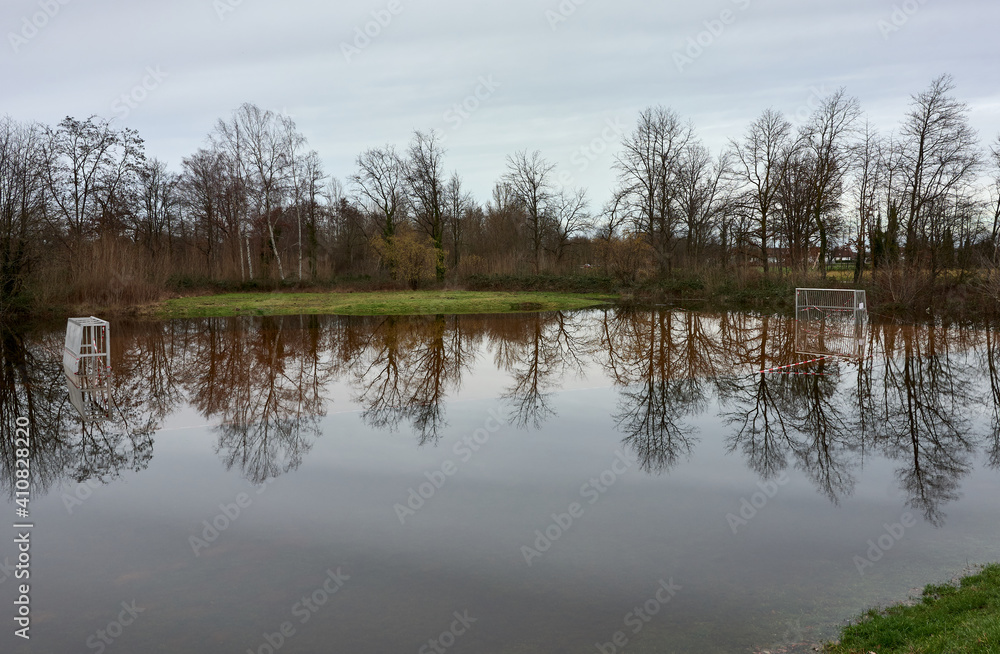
520 484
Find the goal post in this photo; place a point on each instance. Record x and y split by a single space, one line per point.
830 321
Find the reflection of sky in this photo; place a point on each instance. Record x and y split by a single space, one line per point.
792 561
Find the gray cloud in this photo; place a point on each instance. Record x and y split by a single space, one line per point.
559 81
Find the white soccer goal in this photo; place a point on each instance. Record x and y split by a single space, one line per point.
830 322
87 363
87 346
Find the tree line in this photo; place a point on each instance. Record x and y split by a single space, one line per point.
86 215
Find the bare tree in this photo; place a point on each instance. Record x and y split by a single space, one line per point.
794 217
885 239
702 198
457 205
159 206
941 158
347 227
759 159
426 185
647 176
293 142
212 202
380 184
229 139
311 194
530 182
569 217
255 140
22 206
867 183
90 170
825 138
995 232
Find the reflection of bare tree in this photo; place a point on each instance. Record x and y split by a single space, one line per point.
143 393
864 421
926 401
268 448
532 366
30 389
150 356
537 355
263 380
381 380
782 416
992 351
762 430
663 374
407 370
912 409
267 382
825 444
32 385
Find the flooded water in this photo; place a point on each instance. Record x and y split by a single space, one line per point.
600 481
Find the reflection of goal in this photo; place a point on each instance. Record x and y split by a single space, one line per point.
91 396
830 322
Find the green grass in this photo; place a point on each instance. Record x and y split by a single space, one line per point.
948 619
373 303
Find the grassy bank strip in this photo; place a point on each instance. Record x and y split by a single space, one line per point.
948 619
388 303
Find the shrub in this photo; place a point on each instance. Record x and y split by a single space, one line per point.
409 257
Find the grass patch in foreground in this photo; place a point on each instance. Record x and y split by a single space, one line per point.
949 619
371 304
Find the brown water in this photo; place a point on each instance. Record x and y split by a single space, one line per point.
600 481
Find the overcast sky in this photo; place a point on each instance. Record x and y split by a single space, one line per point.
562 78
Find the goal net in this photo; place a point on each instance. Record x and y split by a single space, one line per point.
830 322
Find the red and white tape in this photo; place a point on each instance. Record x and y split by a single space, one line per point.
793 365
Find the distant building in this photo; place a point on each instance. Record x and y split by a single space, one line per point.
843 254
782 256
